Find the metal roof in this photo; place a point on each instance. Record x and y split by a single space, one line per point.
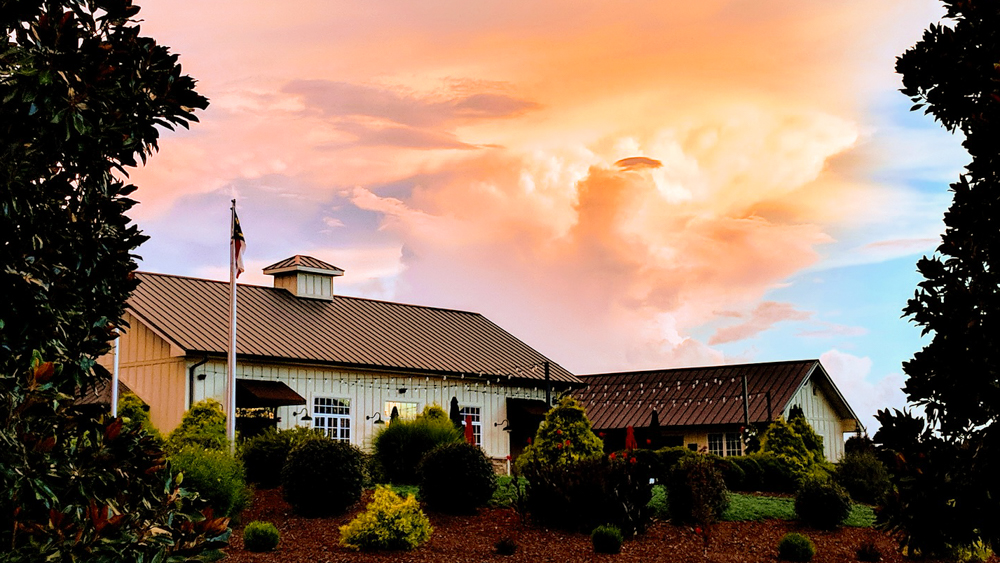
193 314
700 396
302 262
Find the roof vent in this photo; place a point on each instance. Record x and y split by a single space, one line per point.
304 276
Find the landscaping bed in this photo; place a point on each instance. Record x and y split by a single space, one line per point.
471 538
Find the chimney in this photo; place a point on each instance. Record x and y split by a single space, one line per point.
304 276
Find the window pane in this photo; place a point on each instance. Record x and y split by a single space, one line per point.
734 446
715 444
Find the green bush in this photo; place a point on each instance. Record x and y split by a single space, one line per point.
260 536
581 495
456 478
135 413
607 539
564 437
203 426
796 547
732 472
322 477
400 445
777 473
696 491
389 522
669 458
864 477
216 476
822 503
263 457
753 475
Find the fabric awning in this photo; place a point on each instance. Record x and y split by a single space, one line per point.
252 393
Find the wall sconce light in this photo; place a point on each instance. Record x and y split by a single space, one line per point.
305 415
402 390
377 416
506 424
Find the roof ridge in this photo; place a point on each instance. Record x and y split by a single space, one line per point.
713 366
351 297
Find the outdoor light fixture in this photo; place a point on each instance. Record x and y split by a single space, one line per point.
377 416
402 390
305 413
506 424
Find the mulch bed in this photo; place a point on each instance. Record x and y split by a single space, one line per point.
472 539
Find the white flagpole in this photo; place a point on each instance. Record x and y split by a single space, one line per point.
114 378
231 371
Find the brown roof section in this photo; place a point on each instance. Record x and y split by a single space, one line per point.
697 396
300 262
345 331
100 394
256 393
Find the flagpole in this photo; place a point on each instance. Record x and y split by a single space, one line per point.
231 371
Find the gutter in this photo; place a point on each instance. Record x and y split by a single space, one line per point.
191 369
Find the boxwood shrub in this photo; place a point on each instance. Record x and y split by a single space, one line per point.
322 477
456 478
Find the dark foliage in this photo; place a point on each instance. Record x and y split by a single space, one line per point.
322 477
505 546
869 553
582 495
822 503
753 475
263 457
858 444
696 491
400 445
456 478
946 470
606 539
864 477
796 547
81 96
776 474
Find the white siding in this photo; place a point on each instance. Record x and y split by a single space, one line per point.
821 416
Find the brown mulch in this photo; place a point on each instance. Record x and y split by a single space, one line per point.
472 539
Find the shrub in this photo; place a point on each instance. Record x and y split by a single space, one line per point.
135 413
696 492
400 445
732 472
777 473
456 477
869 552
389 522
260 536
796 547
667 459
505 546
753 475
564 437
581 495
263 457
203 426
864 477
606 539
216 476
322 477
822 503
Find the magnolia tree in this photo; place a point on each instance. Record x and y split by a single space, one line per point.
82 95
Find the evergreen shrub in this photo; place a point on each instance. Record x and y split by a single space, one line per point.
564 437
260 536
263 457
202 426
135 414
822 503
400 445
696 491
322 477
864 477
777 473
216 476
753 475
456 478
388 523
796 547
607 539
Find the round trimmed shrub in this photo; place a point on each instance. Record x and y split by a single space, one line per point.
864 477
456 478
203 426
822 503
696 491
796 547
215 475
263 457
753 475
732 473
322 477
607 539
400 445
260 536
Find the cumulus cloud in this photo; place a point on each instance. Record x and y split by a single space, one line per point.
762 318
866 392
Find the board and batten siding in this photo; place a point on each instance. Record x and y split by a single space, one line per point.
822 417
154 372
368 391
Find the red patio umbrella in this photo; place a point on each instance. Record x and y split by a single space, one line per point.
469 436
630 443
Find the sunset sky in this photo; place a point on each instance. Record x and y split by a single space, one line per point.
623 185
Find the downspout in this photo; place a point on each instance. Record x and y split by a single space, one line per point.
191 379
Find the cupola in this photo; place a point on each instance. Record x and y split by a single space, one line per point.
304 276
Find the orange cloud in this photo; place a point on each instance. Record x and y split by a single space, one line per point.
762 318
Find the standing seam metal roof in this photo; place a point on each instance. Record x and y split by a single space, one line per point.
693 396
273 323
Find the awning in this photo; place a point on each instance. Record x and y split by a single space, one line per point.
252 393
533 407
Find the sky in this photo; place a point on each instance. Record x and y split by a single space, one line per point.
623 185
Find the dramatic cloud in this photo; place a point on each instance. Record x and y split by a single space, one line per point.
866 392
763 317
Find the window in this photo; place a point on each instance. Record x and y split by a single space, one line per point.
728 444
475 413
716 445
734 446
407 411
333 417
